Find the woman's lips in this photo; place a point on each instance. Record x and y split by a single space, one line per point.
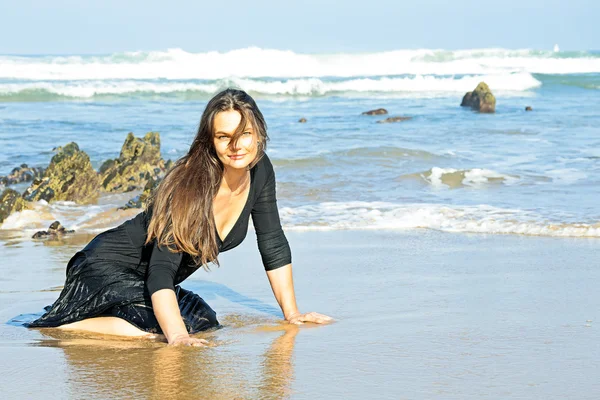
237 156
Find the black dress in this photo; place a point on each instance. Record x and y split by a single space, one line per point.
115 274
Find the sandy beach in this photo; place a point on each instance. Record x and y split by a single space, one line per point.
420 314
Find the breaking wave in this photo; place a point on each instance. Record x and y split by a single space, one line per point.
256 62
408 85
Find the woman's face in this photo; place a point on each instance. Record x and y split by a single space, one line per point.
225 125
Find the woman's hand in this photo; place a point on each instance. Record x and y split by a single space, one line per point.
185 340
298 318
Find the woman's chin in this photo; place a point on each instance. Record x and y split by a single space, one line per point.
237 164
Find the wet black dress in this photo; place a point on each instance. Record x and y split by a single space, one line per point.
115 274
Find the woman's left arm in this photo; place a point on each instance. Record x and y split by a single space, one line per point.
275 250
282 283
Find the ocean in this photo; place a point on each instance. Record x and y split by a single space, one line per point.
447 168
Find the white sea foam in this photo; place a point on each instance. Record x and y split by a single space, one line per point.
476 219
566 175
329 216
470 177
90 218
306 87
256 62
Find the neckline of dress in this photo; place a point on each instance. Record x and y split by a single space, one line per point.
239 218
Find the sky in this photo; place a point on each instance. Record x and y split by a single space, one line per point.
307 26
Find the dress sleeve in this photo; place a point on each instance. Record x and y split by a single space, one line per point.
272 243
162 269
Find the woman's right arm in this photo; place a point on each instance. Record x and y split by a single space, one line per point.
162 269
166 310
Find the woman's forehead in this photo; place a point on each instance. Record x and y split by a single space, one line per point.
228 122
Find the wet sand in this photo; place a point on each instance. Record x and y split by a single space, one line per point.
420 315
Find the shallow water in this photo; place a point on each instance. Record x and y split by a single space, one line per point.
419 315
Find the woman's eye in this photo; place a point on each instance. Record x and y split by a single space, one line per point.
221 137
247 133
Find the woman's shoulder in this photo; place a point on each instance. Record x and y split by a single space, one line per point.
140 221
262 173
263 168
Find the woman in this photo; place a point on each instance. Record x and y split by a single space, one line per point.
125 281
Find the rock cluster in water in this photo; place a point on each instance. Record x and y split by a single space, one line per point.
481 99
71 177
55 231
383 111
138 163
140 200
10 201
379 111
22 174
393 119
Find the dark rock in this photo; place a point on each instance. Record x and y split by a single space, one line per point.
106 165
379 111
39 190
481 99
467 98
302 120
393 119
10 201
22 174
528 108
55 231
138 163
69 176
140 200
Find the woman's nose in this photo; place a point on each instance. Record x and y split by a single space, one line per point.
234 146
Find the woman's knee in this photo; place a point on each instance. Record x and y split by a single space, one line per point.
105 325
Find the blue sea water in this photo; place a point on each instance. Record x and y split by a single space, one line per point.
447 168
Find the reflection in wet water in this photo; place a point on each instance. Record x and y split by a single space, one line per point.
129 368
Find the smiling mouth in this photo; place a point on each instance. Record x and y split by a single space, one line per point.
237 156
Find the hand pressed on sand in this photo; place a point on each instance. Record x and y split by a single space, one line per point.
299 318
184 340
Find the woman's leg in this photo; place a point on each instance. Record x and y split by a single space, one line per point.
107 326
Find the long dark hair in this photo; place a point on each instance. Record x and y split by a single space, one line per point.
182 205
